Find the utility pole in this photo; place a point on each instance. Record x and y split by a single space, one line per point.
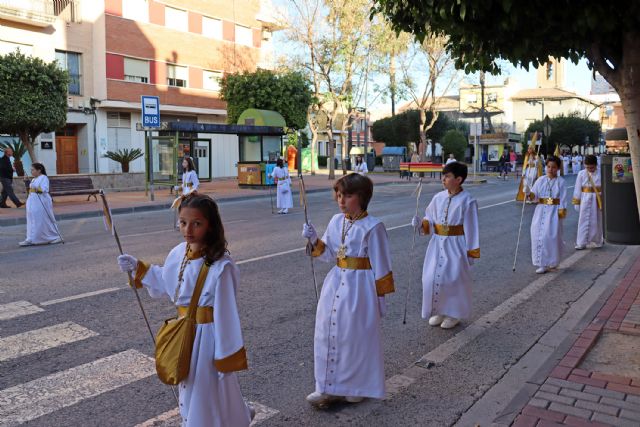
481 101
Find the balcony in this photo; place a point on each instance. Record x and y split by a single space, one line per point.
40 13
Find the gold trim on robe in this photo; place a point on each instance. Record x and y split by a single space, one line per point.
449 230
318 248
354 263
425 226
236 362
548 201
474 253
384 285
591 190
562 213
204 314
141 271
575 201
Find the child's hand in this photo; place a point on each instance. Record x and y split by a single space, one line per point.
416 221
127 263
309 232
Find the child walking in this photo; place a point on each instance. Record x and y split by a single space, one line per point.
190 182
546 227
210 395
280 175
42 227
452 217
348 360
587 200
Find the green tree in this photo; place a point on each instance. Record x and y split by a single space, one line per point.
567 131
523 33
454 142
287 93
33 95
403 128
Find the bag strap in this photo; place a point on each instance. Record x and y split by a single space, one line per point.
193 305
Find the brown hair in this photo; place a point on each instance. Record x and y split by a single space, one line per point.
355 184
590 159
553 159
39 167
191 166
215 244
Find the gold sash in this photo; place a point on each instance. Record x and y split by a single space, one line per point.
549 201
204 314
354 263
590 189
449 230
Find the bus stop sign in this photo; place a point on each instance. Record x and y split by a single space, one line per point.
151 111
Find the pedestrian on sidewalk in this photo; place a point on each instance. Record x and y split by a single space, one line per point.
587 201
210 395
348 357
360 166
513 158
280 175
503 165
41 223
452 217
190 182
6 178
546 226
451 159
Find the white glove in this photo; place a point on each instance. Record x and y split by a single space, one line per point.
309 232
382 306
525 187
177 188
127 263
416 221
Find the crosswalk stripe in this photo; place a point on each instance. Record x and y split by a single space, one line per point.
42 339
25 402
80 296
17 309
172 418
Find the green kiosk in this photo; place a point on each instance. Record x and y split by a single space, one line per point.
257 154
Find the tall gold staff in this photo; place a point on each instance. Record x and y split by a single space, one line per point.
417 192
309 248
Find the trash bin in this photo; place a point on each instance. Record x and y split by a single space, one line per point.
620 213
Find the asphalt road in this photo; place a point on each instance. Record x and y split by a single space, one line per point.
74 349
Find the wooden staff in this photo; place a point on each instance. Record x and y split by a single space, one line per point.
309 248
417 192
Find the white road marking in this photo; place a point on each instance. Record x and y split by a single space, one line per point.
245 261
172 418
42 339
17 309
28 401
79 296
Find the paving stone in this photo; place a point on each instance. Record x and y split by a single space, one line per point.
544 414
566 384
525 421
597 407
555 398
540 403
611 378
631 398
579 395
623 388
622 404
632 415
545 423
614 421
571 410
581 422
550 388
604 392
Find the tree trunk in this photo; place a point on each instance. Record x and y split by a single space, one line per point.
631 106
345 153
331 158
423 136
26 140
314 142
392 82
125 167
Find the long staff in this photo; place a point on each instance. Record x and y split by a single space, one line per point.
271 198
108 222
417 192
53 220
515 255
309 248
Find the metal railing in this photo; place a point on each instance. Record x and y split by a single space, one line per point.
68 10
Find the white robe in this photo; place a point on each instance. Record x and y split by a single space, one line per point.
546 226
361 168
348 358
531 172
566 162
41 225
576 164
446 273
590 221
207 397
190 177
284 198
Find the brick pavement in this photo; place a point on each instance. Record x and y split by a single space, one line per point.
578 397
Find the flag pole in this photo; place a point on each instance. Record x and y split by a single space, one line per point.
417 192
309 248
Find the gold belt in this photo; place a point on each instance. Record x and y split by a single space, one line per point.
354 263
203 314
449 230
591 190
35 190
549 201
189 184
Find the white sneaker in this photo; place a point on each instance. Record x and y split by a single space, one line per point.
252 412
280 211
541 270
580 247
321 400
26 243
593 245
55 241
436 320
449 322
285 211
354 399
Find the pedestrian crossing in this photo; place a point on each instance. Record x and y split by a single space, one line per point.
21 403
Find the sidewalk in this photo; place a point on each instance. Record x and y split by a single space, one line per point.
222 189
597 382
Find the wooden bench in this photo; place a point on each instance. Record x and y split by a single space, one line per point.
408 168
69 186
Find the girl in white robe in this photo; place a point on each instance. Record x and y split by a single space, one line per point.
210 395
446 273
284 199
546 227
587 200
532 169
360 166
566 162
190 180
576 163
348 358
41 223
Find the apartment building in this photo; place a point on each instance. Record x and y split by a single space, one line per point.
118 50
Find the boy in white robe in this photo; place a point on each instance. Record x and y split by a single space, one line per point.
452 217
284 199
348 358
587 200
546 227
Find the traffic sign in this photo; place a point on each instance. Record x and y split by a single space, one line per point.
150 111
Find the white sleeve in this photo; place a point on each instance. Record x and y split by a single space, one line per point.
536 187
365 169
577 189
44 184
323 250
194 179
380 257
562 189
471 230
430 217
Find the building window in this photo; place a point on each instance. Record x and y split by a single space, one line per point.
136 10
549 70
244 35
472 98
212 28
177 76
71 62
211 80
176 19
118 120
7 47
136 70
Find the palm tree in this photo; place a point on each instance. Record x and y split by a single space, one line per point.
19 150
124 156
